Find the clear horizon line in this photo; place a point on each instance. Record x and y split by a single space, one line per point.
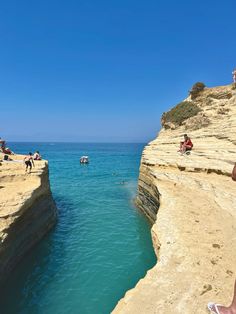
75 142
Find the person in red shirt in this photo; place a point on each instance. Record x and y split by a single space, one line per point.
233 175
186 145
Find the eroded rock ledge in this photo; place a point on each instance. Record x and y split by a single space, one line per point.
191 201
27 211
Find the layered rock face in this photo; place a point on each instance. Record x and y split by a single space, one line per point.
27 210
191 200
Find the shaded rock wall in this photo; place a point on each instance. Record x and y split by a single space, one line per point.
148 193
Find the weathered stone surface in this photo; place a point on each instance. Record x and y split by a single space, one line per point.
191 200
27 210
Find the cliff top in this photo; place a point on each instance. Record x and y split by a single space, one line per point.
16 187
212 130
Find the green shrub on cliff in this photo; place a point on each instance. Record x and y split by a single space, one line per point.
196 89
180 113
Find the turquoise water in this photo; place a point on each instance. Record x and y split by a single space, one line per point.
101 245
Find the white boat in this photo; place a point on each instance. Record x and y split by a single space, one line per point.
84 160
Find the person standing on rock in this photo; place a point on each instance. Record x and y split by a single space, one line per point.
234 75
220 309
29 162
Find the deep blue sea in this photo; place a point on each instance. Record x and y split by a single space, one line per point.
101 245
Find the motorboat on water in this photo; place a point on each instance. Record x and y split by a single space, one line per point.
84 160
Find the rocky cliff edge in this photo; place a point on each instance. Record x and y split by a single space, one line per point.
27 210
191 200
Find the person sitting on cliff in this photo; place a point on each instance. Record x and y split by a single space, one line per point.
29 162
6 150
2 143
220 309
185 145
233 175
7 158
37 156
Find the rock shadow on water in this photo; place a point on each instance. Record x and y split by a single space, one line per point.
40 265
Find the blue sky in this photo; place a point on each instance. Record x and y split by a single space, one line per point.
104 71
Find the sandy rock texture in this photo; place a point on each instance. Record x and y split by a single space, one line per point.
191 200
27 210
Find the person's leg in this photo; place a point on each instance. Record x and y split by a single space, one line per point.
184 148
224 309
180 146
30 166
233 304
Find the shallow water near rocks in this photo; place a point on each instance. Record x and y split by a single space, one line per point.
101 245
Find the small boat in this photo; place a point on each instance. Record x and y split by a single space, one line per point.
84 160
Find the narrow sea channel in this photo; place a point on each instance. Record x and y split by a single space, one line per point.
101 245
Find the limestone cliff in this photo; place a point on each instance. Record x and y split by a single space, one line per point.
191 200
27 210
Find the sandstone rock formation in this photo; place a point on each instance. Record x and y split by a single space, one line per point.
191 201
27 210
